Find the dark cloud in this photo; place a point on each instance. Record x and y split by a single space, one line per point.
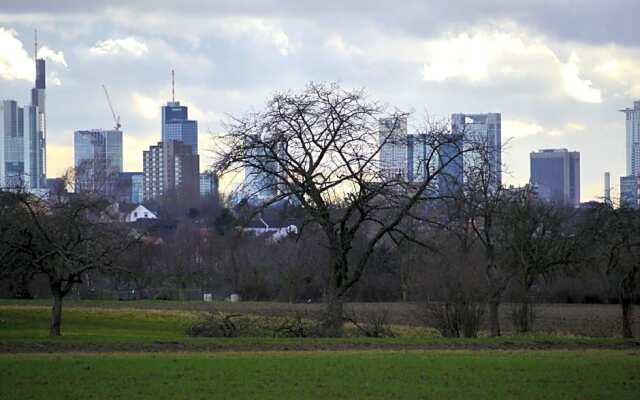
589 21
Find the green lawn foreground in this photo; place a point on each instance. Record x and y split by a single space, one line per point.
591 374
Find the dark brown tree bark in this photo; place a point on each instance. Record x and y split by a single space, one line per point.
56 309
627 315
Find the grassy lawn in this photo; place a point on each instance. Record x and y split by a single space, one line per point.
595 374
113 327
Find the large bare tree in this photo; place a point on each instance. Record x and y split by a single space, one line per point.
320 148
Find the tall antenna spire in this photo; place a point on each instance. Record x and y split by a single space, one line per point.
35 53
173 86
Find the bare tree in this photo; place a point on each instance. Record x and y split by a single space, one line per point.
611 239
61 239
320 148
539 239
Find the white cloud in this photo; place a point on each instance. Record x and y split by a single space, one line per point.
575 87
512 128
515 129
54 79
129 45
146 106
16 63
337 43
55 56
484 55
259 29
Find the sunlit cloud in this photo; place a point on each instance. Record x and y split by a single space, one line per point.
15 61
130 46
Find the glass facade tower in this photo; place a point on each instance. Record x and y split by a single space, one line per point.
176 125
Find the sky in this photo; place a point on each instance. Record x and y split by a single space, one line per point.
558 71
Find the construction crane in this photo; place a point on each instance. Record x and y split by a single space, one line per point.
116 117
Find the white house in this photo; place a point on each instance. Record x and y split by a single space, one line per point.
277 234
139 212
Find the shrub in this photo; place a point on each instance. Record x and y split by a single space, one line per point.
460 318
373 323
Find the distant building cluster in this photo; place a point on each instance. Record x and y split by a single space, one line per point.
171 167
412 157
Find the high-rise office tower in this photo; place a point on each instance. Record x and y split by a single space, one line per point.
451 159
37 160
556 175
632 116
22 137
171 173
393 156
483 136
259 181
97 160
176 124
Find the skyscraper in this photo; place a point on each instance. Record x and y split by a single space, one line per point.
556 175
632 116
176 124
97 159
393 156
22 137
259 182
451 158
484 133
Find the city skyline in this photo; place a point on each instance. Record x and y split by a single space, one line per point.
555 87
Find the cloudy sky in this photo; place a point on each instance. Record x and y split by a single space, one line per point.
558 71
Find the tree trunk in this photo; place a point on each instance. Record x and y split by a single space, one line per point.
494 316
56 310
627 313
335 315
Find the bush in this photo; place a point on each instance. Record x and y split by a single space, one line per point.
218 324
523 315
371 323
454 319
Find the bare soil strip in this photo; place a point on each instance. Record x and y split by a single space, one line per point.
161 346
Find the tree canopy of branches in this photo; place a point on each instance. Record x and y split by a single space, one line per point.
539 239
320 148
61 239
611 239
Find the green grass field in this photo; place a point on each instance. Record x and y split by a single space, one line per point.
115 351
324 375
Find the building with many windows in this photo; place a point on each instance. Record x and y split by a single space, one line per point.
97 160
555 173
393 158
171 172
176 125
630 191
482 133
632 124
208 184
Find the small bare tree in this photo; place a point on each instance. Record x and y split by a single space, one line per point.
320 148
611 239
62 239
539 239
